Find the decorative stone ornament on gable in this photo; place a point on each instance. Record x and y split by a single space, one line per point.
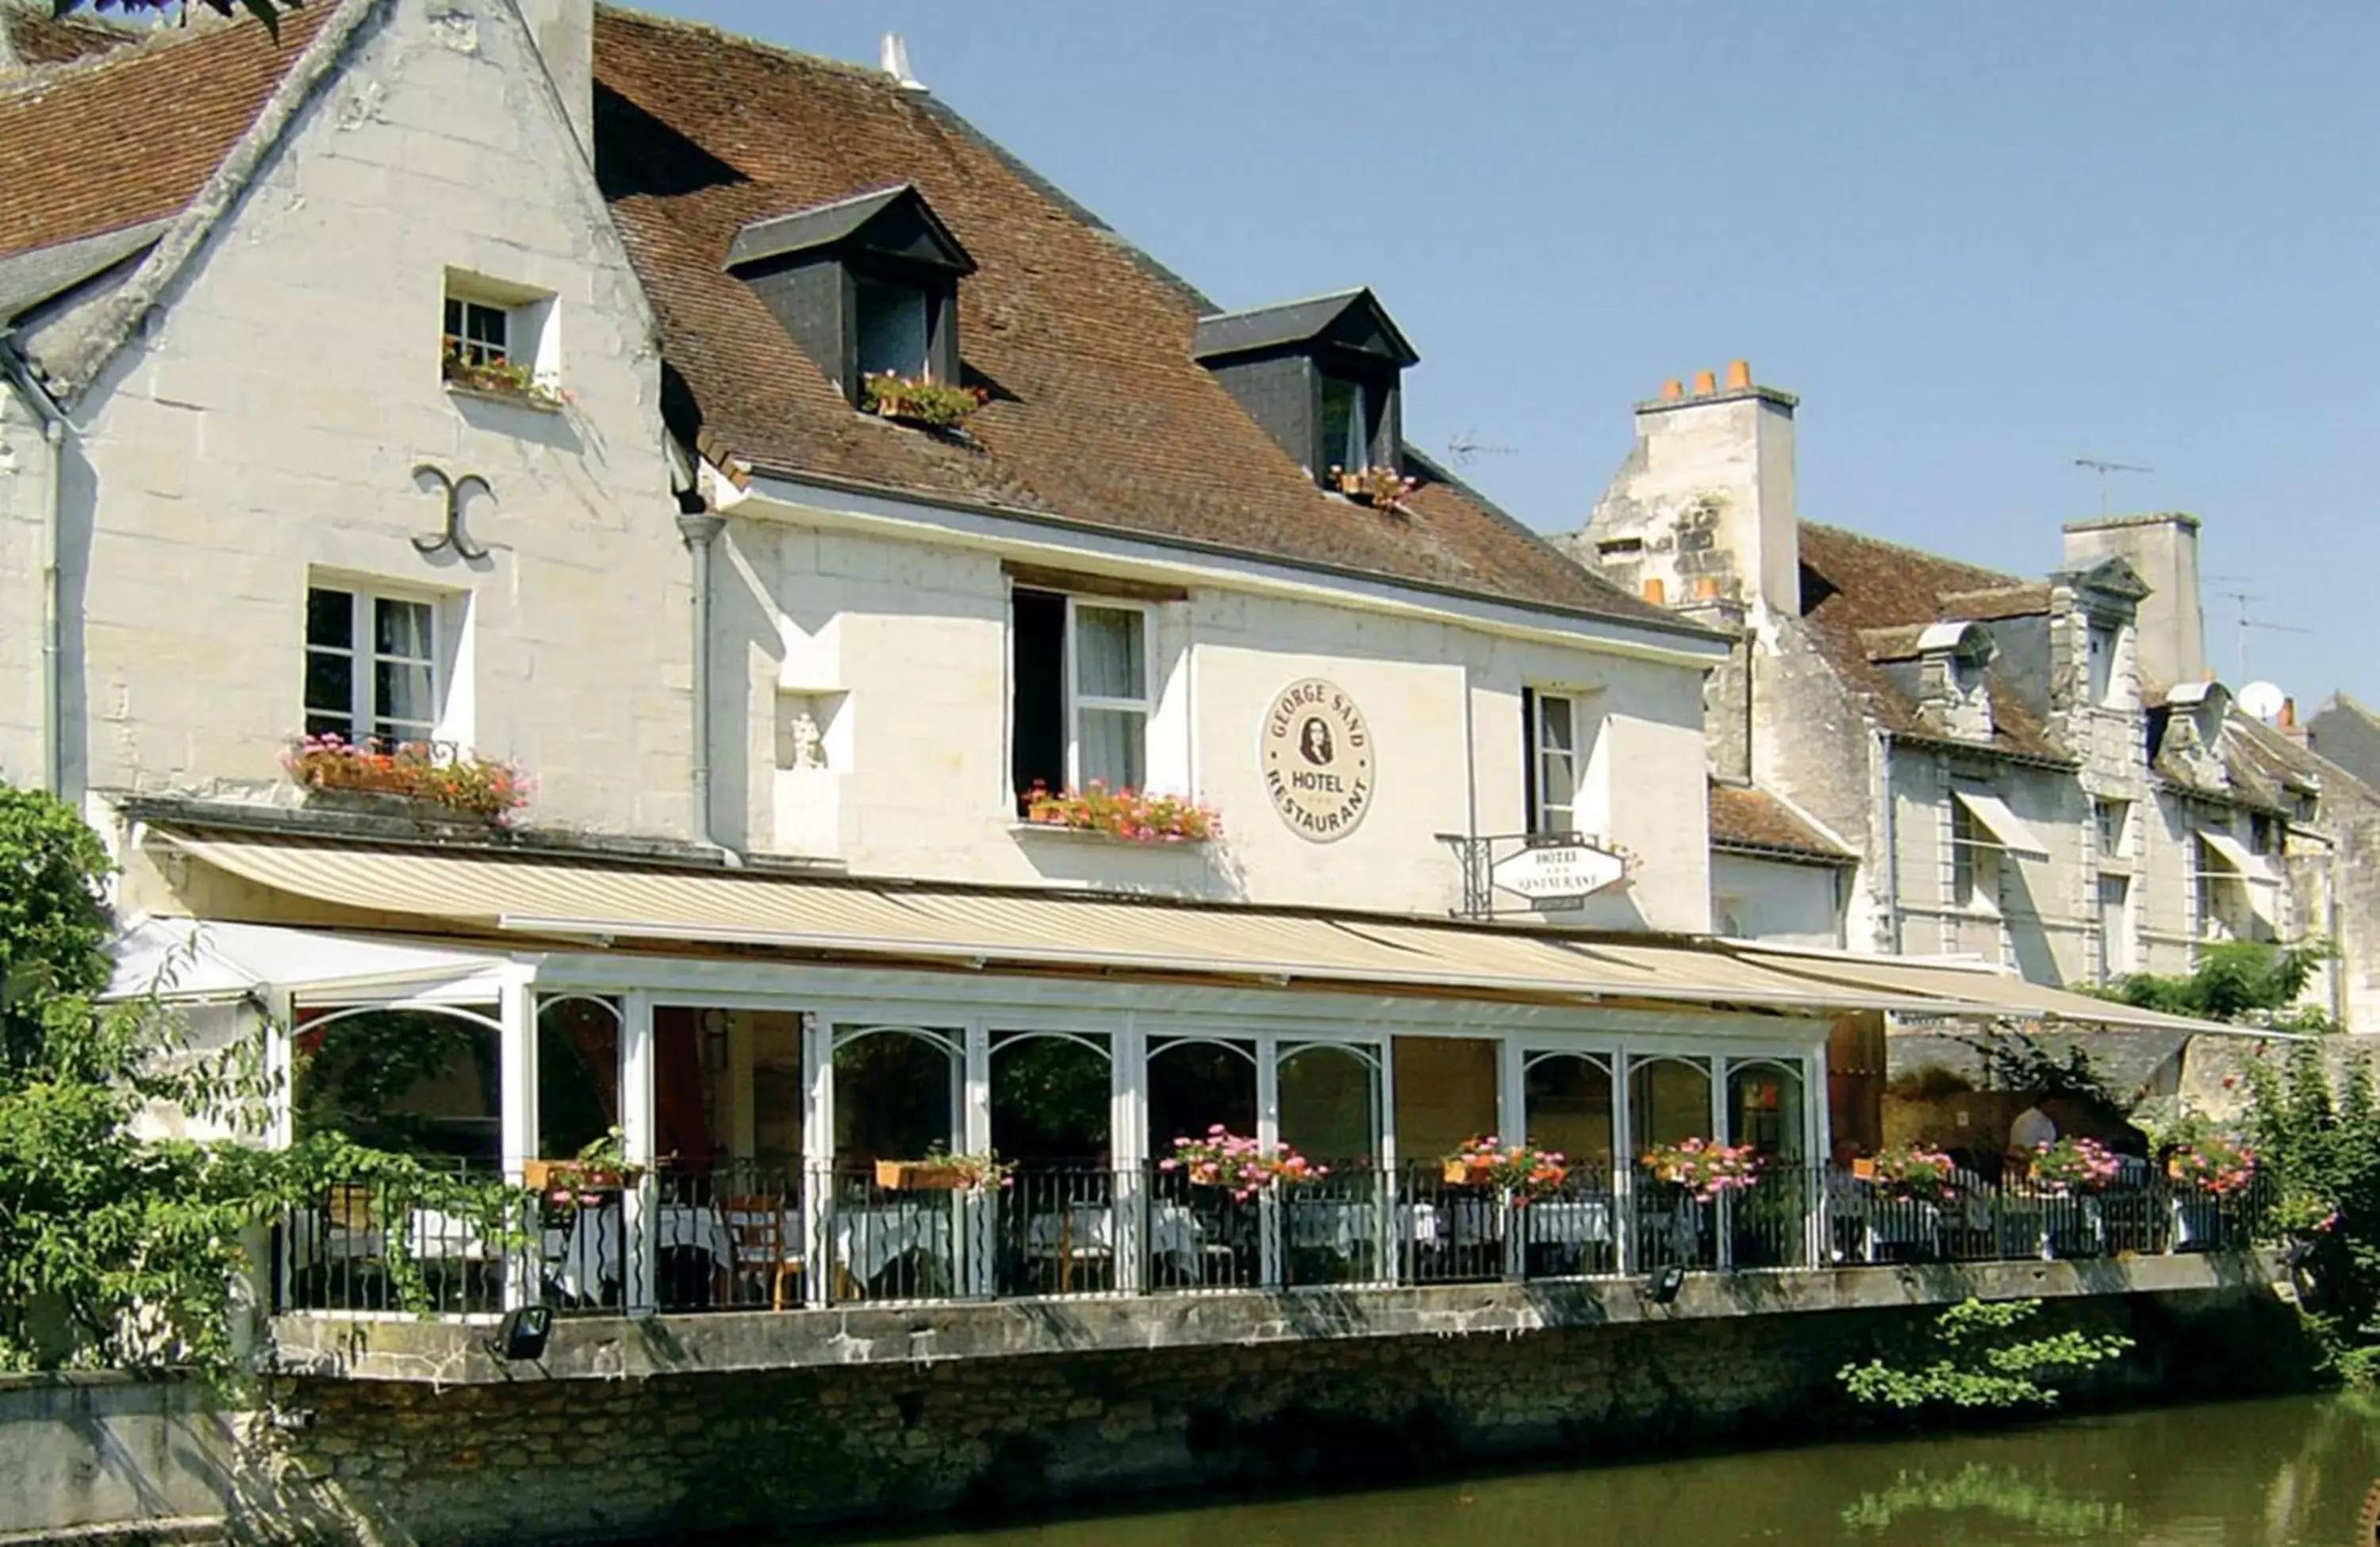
1954 679
1317 759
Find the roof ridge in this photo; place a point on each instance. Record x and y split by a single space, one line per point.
934 106
2006 576
760 45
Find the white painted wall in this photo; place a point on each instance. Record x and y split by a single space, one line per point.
1785 903
268 425
899 645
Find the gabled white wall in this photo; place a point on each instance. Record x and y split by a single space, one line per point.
909 641
270 419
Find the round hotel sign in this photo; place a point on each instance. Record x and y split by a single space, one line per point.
1317 759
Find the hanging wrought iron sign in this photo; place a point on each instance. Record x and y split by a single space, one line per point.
1562 872
1317 759
1555 871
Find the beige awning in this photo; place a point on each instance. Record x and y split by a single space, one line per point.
2006 829
552 897
524 898
2238 859
1988 991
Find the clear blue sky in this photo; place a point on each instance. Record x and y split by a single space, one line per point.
1979 241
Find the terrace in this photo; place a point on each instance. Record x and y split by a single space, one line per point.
802 1163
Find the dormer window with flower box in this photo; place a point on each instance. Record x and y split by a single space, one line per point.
867 286
1323 378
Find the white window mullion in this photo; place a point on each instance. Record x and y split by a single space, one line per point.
359 664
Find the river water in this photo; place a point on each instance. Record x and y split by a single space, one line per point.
2285 1472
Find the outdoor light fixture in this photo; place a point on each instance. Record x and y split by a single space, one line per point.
522 1334
1667 1283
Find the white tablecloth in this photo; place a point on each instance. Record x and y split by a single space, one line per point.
1567 1221
1334 1224
432 1235
585 1253
867 1241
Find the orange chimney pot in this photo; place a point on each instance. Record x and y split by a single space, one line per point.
1738 375
1705 384
1706 588
2289 713
1656 592
1672 389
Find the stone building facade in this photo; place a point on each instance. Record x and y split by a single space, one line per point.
793 484
2040 771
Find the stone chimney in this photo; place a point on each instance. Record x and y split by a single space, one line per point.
1704 504
2163 549
565 30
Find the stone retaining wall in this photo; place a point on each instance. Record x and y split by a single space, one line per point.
547 1460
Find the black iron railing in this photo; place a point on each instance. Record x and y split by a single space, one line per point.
748 1236
437 1243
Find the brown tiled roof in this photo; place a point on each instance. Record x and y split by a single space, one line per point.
30 35
1859 594
1098 412
1745 817
129 135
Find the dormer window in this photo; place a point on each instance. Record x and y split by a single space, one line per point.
893 332
867 286
1320 376
1352 415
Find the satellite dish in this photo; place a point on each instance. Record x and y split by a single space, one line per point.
2263 699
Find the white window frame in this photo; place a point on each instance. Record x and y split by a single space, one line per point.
1077 701
1974 864
532 335
2099 674
1540 820
2117 845
363 654
2118 949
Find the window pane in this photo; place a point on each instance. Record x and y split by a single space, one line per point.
403 700
341 725
1556 784
1110 662
1554 723
1112 747
891 328
1346 424
402 629
487 324
331 684
454 318
329 617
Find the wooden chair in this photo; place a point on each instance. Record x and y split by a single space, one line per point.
755 1232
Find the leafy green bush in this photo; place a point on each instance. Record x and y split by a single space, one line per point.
2324 1148
120 1250
1983 1360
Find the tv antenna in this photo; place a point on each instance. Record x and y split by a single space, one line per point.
1465 449
2245 621
2103 469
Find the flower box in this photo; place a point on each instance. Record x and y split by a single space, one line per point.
497 377
922 1176
921 400
1124 815
406 777
1381 488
